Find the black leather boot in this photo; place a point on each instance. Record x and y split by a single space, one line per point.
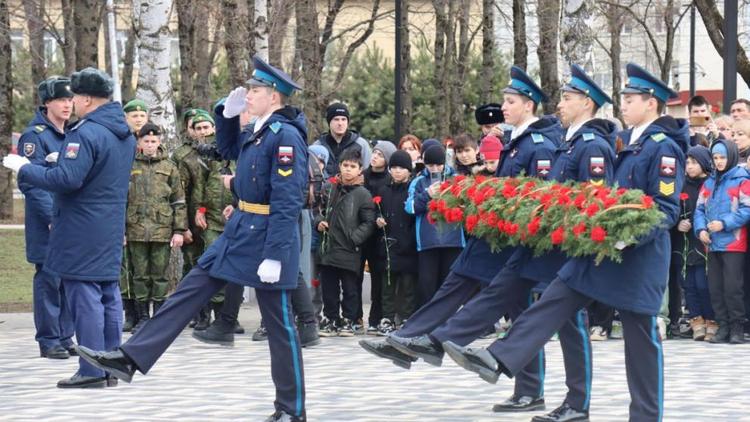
722 335
157 304
737 332
131 318
204 318
143 315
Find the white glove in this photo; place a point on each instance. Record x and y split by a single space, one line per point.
235 103
15 162
52 157
269 271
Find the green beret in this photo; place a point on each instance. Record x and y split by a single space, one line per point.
54 88
135 105
93 82
202 117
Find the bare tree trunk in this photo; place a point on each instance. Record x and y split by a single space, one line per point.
234 41
260 29
205 54
186 32
154 79
669 13
714 23
440 80
105 28
548 14
250 28
86 18
615 23
461 62
520 49
34 10
281 10
6 111
488 51
310 59
405 82
128 60
69 47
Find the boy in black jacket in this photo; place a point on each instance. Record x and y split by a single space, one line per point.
346 223
397 245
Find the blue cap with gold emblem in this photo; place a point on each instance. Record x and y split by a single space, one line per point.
267 75
581 83
522 84
640 81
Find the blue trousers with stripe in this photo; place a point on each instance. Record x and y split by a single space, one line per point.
193 292
644 361
52 317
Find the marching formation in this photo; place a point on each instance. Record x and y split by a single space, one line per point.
250 204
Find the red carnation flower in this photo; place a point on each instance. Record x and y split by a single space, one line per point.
621 191
333 180
684 196
471 222
647 201
609 201
563 199
490 219
511 228
533 226
488 193
592 209
457 214
580 201
579 229
509 191
377 199
460 178
432 205
598 234
479 179
430 218
557 236
445 185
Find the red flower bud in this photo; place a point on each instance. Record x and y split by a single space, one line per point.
598 234
557 236
533 226
471 222
579 229
377 199
647 201
684 196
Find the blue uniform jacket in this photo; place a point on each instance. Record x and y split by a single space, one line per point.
588 156
531 153
90 186
272 170
726 198
39 139
654 163
428 235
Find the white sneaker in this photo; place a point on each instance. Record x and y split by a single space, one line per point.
598 333
662 328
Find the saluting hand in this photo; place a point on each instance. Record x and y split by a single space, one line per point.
235 103
15 162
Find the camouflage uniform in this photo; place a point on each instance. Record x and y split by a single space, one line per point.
156 211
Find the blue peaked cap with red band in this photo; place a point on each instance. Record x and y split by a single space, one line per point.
267 75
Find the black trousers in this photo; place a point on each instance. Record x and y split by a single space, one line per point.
434 266
377 271
676 280
150 342
725 284
601 315
644 359
340 291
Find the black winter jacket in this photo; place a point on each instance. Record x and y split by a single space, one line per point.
400 228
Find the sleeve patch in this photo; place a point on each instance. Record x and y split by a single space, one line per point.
596 166
666 188
285 173
29 148
543 167
285 156
667 168
71 151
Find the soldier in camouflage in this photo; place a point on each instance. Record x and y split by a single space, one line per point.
156 220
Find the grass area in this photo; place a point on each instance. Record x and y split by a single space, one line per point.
15 273
17 213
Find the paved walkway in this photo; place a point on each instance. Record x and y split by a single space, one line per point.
197 382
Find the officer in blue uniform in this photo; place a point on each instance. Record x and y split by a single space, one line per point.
41 143
260 244
90 184
531 150
650 162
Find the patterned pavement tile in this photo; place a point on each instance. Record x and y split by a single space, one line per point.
197 382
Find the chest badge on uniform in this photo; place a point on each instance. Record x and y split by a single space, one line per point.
71 151
28 149
285 157
513 152
596 166
668 166
543 167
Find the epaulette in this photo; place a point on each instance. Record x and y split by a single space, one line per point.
537 138
588 136
658 137
275 127
39 128
77 125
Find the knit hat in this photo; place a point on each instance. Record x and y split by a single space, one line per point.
430 142
491 147
319 151
434 155
385 147
93 82
336 109
135 105
719 149
702 155
401 159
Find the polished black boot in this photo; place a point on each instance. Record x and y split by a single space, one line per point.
564 413
479 361
384 350
737 333
520 404
131 318
143 315
219 332
722 334
204 318
308 333
421 347
116 363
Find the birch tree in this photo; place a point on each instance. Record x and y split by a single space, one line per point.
6 111
260 29
154 79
